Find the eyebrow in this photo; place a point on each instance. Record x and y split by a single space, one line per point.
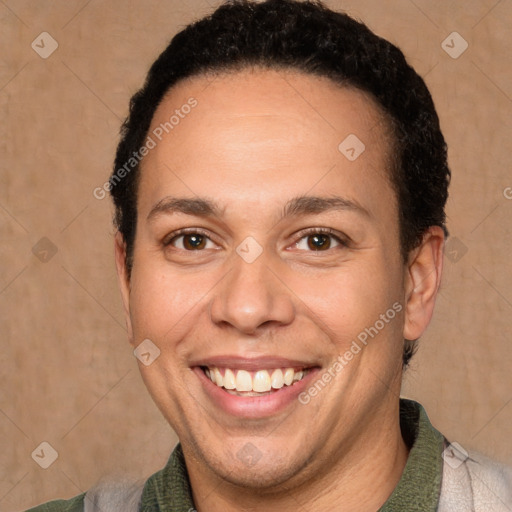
199 207
306 205
301 205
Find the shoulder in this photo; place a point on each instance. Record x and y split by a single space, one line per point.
491 481
114 495
472 481
106 496
75 504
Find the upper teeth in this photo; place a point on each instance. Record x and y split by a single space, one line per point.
260 381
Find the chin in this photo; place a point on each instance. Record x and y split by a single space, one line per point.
246 465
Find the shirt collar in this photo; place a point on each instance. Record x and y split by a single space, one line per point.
420 484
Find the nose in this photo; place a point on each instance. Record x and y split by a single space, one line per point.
252 296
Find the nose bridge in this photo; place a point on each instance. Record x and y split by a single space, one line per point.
251 295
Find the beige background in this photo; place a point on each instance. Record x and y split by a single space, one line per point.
68 376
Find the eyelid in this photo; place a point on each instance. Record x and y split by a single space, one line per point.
175 234
343 240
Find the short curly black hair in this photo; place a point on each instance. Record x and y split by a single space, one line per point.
308 37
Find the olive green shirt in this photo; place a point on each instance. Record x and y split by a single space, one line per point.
418 490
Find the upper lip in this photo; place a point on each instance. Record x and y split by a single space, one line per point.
252 363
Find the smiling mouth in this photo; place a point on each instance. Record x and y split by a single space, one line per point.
254 383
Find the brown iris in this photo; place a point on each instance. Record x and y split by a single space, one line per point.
319 242
194 241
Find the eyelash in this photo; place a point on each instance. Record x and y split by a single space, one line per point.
322 231
302 234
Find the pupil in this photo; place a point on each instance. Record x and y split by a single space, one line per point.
194 241
319 242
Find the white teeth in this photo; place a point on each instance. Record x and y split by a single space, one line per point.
243 381
261 381
277 379
257 382
288 376
297 376
229 379
218 377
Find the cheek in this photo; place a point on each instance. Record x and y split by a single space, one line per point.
148 304
348 300
168 304
163 303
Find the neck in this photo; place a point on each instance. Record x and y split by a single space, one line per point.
374 460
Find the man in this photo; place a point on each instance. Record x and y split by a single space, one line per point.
279 189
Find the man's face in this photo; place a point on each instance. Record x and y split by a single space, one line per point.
258 292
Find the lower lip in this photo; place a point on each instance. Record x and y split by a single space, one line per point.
254 406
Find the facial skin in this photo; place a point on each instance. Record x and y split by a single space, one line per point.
256 140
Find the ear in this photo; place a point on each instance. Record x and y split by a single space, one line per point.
123 279
422 280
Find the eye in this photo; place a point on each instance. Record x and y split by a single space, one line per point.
319 240
190 241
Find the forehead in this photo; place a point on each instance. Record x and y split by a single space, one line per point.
255 131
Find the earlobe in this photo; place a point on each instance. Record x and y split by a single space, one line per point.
123 279
422 280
